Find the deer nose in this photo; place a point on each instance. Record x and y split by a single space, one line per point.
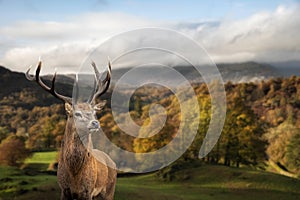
94 125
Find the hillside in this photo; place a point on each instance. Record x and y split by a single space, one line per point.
15 82
210 182
260 112
234 72
206 182
17 91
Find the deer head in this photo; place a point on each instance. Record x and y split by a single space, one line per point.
84 113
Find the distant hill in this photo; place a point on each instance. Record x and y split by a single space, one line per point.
288 68
12 82
16 90
23 104
235 72
247 72
15 83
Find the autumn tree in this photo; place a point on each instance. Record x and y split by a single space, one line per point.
283 148
13 151
241 141
293 153
204 120
3 133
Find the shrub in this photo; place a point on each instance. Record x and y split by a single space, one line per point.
13 151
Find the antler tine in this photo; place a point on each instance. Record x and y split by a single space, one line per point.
51 89
97 73
28 76
100 84
39 80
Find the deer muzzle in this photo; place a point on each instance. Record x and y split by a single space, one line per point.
93 125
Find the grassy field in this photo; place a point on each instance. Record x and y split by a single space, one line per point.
211 182
33 181
42 158
205 182
40 161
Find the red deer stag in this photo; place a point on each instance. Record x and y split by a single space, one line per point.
80 175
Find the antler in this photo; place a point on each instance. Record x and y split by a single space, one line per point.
102 85
44 86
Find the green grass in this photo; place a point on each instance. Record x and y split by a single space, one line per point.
211 182
30 182
42 157
206 182
16 183
40 161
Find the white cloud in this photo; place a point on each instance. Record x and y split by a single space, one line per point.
256 37
59 44
266 36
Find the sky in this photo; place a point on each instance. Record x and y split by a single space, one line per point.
64 32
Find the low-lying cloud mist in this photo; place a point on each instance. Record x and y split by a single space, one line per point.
263 37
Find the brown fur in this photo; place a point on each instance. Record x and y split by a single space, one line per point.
79 173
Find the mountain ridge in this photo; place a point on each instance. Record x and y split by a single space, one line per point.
15 82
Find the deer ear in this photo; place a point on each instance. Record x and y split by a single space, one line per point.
68 108
99 106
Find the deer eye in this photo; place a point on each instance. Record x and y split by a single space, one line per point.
90 114
78 114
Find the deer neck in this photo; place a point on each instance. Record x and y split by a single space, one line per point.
75 153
